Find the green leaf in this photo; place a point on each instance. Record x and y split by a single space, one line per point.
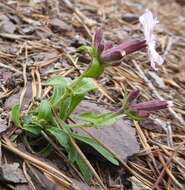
61 136
80 89
65 108
75 101
59 81
84 86
100 120
33 129
60 85
64 140
44 110
98 147
58 92
75 157
15 115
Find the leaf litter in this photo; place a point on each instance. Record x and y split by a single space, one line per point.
30 24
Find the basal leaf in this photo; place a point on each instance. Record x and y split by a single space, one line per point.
75 157
59 81
44 110
58 92
64 140
75 101
15 115
32 129
65 108
61 137
98 147
84 86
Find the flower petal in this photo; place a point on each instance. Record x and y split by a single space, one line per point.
155 58
108 45
149 22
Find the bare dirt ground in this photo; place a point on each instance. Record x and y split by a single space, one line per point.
39 38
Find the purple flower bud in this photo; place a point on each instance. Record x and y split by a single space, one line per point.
114 54
153 105
100 48
134 94
108 45
111 55
97 40
132 46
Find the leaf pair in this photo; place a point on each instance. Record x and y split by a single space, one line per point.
99 120
68 94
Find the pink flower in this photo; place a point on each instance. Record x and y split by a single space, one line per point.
149 22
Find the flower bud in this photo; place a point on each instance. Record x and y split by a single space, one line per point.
134 94
97 40
153 105
111 55
132 46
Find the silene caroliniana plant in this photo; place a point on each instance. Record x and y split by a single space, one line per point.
51 117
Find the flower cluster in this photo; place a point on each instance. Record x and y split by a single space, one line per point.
105 53
110 53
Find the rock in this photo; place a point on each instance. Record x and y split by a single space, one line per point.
130 17
120 137
7 26
58 25
3 126
15 99
23 187
12 173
